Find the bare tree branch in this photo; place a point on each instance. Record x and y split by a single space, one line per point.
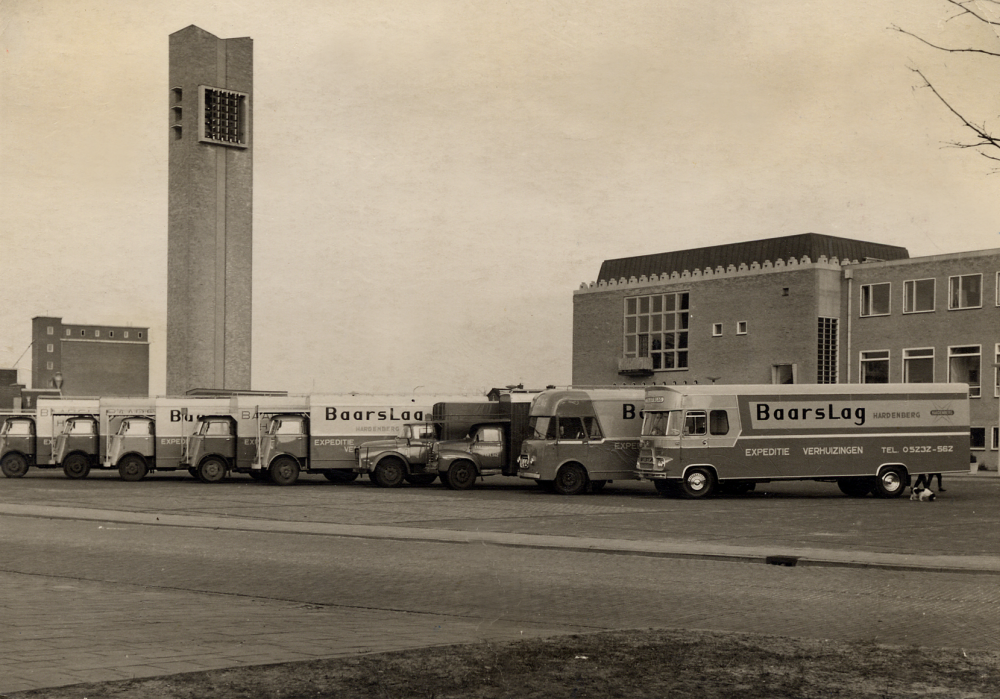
986 140
944 48
963 6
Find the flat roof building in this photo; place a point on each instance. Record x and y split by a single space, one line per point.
797 309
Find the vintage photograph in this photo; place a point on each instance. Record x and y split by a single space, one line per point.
499 349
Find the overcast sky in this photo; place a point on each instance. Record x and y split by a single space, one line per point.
433 179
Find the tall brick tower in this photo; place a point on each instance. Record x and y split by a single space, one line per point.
209 249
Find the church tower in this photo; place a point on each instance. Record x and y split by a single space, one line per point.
210 241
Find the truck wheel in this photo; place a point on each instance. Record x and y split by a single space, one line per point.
571 480
891 482
14 465
76 466
340 475
421 478
855 487
698 483
284 470
389 473
461 475
132 468
212 470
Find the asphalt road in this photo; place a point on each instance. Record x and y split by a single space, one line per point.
106 580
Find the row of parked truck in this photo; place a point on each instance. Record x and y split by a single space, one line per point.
688 440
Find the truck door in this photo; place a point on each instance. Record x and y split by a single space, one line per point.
709 437
79 434
488 446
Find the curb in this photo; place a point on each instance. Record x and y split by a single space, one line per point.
777 556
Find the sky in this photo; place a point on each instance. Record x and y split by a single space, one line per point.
434 178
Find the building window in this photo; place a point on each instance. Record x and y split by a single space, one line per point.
97 333
83 333
918 296
965 291
977 437
50 330
223 117
741 327
49 366
50 348
875 366
875 299
657 327
139 335
68 332
125 333
111 333
918 365
783 373
994 440
826 351
717 330
996 372
963 367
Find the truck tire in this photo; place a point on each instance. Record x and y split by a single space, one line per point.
132 468
389 473
891 482
461 475
421 478
571 480
14 465
284 470
855 487
699 482
212 470
76 466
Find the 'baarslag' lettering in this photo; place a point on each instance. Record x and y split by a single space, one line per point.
376 415
766 413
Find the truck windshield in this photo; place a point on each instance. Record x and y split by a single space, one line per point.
18 428
140 428
215 428
542 427
285 426
85 427
666 424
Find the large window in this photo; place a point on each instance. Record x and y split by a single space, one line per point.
875 299
826 351
963 367
223 117
657 327
875 366
918 296
918 365
965 291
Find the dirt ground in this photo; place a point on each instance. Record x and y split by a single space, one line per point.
653 663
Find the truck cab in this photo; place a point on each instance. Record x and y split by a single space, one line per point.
78 445
484 452
284 449
132 449
211 450
388 462
17 445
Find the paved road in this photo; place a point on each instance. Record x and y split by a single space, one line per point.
96 587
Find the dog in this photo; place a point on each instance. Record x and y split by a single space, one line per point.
922 494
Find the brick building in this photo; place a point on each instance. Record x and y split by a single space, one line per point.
798 309
89 360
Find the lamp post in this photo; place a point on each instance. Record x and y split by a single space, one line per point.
57 381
